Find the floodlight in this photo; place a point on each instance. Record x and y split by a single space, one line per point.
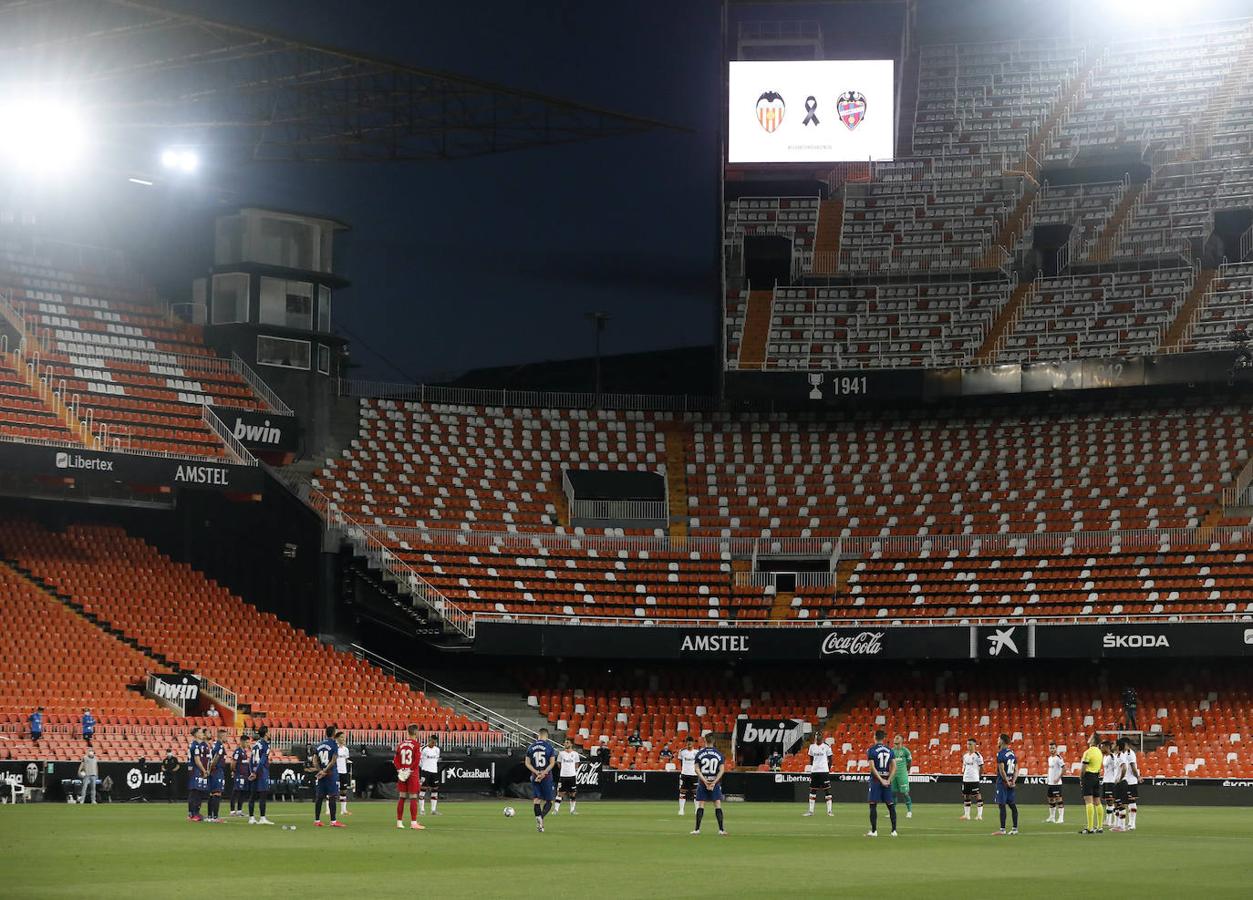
43 136
181 159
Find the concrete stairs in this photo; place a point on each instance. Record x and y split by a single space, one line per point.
1107 243
1010 232
756 329
677 435
1036 148
828 237
1006 319
781 609
508 704
1206 124
1192 304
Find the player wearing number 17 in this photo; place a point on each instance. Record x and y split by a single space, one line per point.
882 771
1006 782
541 757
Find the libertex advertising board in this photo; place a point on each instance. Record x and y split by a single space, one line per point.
811 111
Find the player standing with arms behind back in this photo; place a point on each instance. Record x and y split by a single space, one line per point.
882 771
1090 781
1109 780
1007 783
541 756
259 776
900 784
710 767
326 762
1128 790
408 779
687 772
972 764
567 777
1053 781
819 772
430 776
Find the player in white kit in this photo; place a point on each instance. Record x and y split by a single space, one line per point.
1053 785
1109 781
429 765
687 772
819 772
1127 791
341 766
567 777
972 763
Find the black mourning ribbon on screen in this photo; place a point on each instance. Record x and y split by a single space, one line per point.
811 103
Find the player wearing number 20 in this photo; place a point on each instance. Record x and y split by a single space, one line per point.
1006 781
710 767
541 757
882 771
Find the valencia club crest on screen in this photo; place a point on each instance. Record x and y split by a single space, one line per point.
770 110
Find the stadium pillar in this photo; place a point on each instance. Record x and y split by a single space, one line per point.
328 580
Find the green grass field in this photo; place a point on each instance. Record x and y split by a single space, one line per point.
615 850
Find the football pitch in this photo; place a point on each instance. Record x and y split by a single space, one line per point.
615 850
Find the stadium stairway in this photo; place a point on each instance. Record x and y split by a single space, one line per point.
827 237
1007 319
1188 310
1107 243
1206 124
756 329
677 436
1011 231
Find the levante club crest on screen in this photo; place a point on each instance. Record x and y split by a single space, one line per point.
770 110
851 107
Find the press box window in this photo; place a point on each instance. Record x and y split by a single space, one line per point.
324 359
282 353
286 303
230 298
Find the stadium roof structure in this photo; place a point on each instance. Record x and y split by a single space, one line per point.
146 71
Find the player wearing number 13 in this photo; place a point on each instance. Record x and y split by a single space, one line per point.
541 757
882 771
1006 783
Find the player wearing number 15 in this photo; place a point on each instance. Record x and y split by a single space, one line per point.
541 757
408 779
1006 783
882 771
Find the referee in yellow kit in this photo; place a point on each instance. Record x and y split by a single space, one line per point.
1091 784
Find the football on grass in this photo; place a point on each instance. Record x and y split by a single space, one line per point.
509 812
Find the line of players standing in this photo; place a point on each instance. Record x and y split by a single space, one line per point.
208 764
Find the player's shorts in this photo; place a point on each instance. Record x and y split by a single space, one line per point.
198 783
1122 792
328 787
413 785
1006 794
688 784
260 784
1107 790
819 781
880 792
1054 790
1133 793
970 788
900 785
544 790
430 779
568 784
217 783
704 793
1091 784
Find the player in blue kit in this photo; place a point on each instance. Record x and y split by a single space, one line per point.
217 774
541 756
1006 779
241 763
710 767
882 771
197 774
326 765
259 777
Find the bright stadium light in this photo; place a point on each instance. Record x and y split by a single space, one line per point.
41 136
180 159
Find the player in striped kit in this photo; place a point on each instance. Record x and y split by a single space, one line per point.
820 772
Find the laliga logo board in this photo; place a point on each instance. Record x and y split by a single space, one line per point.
770 111
851 108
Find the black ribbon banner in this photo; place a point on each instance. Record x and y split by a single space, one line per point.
811 104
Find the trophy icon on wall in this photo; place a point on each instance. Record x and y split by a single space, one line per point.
815 385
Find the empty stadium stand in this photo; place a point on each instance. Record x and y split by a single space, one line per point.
137 376
201 627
